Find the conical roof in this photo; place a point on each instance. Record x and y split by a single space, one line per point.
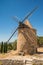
28 23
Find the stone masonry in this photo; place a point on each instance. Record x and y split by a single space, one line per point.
27 39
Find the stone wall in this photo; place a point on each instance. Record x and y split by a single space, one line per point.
27 40
21 62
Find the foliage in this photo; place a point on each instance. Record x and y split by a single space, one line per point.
40 41
14 45
1 47
5 47
10 47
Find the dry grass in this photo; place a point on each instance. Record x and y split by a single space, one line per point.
9 54
14 54
40 49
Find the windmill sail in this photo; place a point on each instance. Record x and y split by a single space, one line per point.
22 22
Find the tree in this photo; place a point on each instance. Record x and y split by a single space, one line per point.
10 47
5 47
2 47
15 45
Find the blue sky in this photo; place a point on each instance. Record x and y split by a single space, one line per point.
19 8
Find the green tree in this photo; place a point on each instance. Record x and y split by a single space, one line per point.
10 47
2 47
40 41
5 47
15 45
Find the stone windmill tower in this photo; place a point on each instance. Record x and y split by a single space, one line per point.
27 40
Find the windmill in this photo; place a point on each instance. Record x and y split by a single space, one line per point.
27 40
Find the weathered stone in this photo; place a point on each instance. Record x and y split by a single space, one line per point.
27 39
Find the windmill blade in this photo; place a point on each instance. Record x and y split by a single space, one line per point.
29 14
12 34
16 19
